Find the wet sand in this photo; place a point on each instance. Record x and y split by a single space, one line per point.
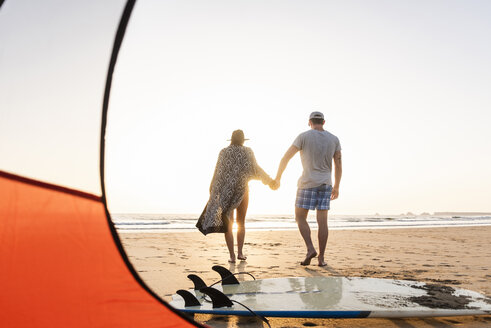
458 257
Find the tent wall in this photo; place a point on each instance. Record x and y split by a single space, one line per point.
61 267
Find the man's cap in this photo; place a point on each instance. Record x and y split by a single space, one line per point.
316 115
237 137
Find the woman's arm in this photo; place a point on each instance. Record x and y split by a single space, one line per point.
259 173
263 176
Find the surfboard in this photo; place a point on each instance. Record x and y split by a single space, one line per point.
338 297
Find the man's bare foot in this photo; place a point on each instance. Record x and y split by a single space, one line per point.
308 258
321 261
231 260
242 257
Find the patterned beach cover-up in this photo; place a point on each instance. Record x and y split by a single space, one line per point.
236 165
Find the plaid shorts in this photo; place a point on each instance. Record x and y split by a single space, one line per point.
314 198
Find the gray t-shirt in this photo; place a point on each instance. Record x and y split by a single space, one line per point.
317 149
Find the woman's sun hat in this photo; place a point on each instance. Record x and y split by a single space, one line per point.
237 137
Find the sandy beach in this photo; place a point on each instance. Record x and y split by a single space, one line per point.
458 257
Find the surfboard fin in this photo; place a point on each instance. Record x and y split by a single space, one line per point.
189 299
218 298
197 281
228 277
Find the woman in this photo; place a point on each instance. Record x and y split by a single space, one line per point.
229 190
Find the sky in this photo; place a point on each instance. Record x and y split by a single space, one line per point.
404 85
53 65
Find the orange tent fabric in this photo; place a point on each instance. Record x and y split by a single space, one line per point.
60 266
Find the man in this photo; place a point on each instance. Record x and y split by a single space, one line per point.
317 149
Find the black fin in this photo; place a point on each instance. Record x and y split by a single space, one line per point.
218 298
197 281
189 299
228 277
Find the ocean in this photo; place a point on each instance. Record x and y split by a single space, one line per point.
152 223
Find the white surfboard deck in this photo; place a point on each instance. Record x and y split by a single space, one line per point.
342 297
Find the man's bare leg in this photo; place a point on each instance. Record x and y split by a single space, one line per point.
322 235
229 239
304 228
241 214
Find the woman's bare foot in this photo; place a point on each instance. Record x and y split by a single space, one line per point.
231 260
308 258
321 261
242 257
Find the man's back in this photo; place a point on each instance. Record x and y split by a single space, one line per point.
315 191
317 149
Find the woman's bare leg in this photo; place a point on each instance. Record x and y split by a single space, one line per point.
241 214
229 239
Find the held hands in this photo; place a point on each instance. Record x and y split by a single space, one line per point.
274 184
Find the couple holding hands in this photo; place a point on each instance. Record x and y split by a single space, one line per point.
236 166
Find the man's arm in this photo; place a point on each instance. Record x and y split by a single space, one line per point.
338 171
284 162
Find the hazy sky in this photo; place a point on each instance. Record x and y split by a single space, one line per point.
403 84
53 64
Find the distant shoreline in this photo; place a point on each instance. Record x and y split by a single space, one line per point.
164 222
334 214
462 213
164 231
